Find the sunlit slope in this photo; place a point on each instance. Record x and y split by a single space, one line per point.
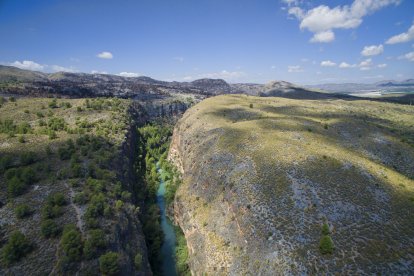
263 175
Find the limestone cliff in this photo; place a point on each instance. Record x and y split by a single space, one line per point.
265 180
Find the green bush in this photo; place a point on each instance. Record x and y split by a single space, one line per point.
5 163
53 104
80 198
108 263
326 245
95 241
56 123
56 199
21 139
325 229
15 187
50 211
16 247
52 134
52 208
49 228
22 211
72 243
138 261
28 158
23 128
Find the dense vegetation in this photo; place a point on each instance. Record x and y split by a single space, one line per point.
59 176
154 146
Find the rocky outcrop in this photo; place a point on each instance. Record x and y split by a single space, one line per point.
262 176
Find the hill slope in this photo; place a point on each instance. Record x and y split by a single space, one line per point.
290 186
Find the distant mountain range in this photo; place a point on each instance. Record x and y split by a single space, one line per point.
18 81
31 83
389 86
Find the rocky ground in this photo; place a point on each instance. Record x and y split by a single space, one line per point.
267 180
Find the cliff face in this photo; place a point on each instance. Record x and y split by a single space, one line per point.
275 186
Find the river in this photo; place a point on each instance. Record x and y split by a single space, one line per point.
168 247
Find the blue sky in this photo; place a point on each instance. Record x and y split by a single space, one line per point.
300 41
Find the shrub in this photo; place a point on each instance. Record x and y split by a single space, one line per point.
23 128
326 245
325 229
56 123
57 199
28 158
251 105
50 211
138 261
49 228
53 104
12 99
80 198
52 134
95 242
22 211
65 153
21 139
17 247
15 187
72 242
5 162
40 114
108 263
28 176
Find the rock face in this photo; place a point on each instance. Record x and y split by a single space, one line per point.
262 176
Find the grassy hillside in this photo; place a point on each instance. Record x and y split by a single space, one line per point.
274 185
65 205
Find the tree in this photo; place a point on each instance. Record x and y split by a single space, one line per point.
326 245
49 228
108 263
22 211
72 243
17 247
95 242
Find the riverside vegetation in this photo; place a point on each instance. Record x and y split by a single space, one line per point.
153 150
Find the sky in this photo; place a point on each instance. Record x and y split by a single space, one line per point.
301 41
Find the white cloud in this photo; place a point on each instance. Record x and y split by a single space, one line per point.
346 65
403 37
105 55
409 56
328 63
383 65
322 20
228 75
372 50
58 68
28 65
323 37
129 74
98 72
179 59
295 69
374 77
296 12
224 74
366 63
188 78
365 68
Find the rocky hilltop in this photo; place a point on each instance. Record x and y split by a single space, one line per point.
276 186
